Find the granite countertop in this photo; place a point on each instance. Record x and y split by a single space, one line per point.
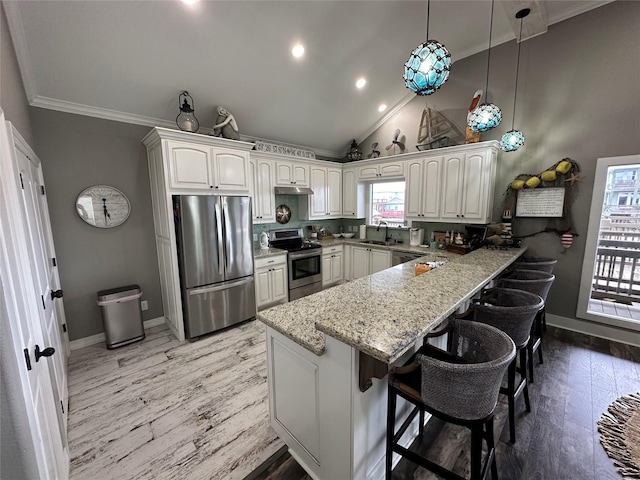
269 252
399 247
384 314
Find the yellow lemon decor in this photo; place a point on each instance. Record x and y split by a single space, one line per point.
563 167
517 184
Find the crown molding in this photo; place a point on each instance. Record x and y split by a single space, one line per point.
578 9
97 112
19 39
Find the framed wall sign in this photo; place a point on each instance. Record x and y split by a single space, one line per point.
540 202
103 206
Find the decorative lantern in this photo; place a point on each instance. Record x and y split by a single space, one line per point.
187 120
512 140
428 66
354 152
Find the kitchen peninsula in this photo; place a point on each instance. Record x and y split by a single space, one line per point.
323 350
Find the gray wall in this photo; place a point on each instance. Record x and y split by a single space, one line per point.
578 97
78 152
17 456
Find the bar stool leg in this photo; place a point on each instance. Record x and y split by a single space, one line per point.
511 388
391 421
523 372
491 448
476 450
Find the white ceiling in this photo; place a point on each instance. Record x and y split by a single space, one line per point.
129 60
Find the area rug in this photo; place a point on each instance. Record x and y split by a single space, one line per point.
619 429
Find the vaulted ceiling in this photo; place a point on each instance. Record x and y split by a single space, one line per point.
129 60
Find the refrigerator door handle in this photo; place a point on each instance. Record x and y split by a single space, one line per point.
221 261
224 286
225 211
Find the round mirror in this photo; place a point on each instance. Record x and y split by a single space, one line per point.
103 206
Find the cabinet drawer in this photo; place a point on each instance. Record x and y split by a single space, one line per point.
333 249
270 261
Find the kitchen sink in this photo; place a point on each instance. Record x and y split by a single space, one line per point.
376 242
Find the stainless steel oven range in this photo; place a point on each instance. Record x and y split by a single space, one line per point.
304 261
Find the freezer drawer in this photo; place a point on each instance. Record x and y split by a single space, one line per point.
213 307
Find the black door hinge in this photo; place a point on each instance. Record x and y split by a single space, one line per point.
42 189
53 260
21 182
42 298
27 359
64 327
61 406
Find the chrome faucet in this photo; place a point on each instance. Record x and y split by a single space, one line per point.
386 230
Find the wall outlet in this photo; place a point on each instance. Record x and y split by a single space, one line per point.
144 305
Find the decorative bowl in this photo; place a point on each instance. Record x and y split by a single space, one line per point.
336 235
348 235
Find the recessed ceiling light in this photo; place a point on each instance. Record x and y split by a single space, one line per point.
297 51
361 82
189 2
382 107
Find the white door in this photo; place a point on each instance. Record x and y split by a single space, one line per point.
334 192
279 282
359 262
20 317
263 287
231 170
319 182
380 260
189 166
432 188
336 267
265 191
44 277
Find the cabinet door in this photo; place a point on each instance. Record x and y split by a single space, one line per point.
264 192
289 173
326 269
318 201
452 184
474 192
395 169
359 262
414 184
231 170
380 260
263 284
336 268
368 172
334 192
301 175
279 283
431 188
189 166
349 193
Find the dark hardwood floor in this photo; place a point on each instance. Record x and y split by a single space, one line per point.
557 440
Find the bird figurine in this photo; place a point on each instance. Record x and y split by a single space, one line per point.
397 140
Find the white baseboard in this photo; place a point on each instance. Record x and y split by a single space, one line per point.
100 337
595 329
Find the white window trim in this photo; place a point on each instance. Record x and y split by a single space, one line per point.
597 201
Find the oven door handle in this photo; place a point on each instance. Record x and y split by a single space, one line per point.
299 255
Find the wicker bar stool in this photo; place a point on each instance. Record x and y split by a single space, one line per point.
538 282
513 312
545 264
460 387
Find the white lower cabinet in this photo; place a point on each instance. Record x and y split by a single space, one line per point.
332 265
271 280
366 261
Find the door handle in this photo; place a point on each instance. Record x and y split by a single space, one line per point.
47 352
56 294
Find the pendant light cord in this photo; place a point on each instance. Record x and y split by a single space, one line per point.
489 55
515 93
428 15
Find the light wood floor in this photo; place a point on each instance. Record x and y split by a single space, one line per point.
164 409
558 439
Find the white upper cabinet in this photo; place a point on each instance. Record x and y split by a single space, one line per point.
326 201
291 174
261 179
467 182
194 166
388 169
423 184
352 194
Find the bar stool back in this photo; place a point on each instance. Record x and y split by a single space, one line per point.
513 312
546 264
533 281
460 386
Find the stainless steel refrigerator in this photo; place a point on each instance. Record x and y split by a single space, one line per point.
215 257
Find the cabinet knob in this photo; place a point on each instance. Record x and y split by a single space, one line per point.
210 186
56 294
47 352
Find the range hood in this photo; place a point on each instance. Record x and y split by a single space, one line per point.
293 191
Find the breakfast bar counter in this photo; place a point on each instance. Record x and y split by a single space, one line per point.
328 355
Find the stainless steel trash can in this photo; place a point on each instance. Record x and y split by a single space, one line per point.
121 315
